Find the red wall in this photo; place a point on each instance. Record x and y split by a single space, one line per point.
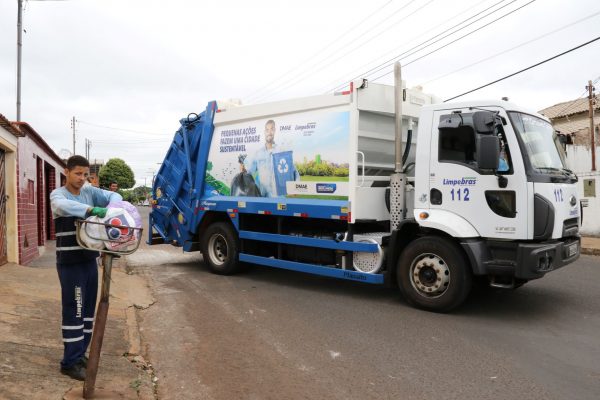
33 229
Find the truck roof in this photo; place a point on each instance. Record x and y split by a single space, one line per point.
506 105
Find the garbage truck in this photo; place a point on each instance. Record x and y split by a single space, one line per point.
377 184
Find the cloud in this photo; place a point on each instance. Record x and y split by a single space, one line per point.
143 65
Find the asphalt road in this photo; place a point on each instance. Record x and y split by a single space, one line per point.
274 334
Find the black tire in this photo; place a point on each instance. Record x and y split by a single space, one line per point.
433 274
220 248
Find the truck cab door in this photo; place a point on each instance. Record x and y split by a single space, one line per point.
492 201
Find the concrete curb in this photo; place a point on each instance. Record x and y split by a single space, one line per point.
590 251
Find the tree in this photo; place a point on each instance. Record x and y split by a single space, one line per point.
116 170
140 193
128 195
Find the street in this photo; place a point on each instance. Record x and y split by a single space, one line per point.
274 334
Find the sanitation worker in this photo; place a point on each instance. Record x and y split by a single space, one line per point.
77 268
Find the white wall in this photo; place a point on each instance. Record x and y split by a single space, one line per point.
579 159
8 143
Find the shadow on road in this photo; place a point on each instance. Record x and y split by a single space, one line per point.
531 301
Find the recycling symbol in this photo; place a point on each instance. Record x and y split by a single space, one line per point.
282 167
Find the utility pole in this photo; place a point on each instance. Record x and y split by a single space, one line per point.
19 49
73 126
88 144
591 99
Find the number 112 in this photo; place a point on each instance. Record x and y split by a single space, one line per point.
464 193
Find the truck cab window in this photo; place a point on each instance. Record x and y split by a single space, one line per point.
457 145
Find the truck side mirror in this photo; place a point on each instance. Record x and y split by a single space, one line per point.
488 153
484 122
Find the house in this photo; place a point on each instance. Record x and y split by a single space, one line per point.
95 166
571 119
9 246
39 171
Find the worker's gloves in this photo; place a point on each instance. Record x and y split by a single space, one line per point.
98 212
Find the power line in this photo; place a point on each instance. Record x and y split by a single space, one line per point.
572 103
120 129
458 39
512 48
298 78
399 57
125 140
386 54
253 94
117 143
276 89
525 69
416 49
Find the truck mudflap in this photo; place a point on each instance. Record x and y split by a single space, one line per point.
521 260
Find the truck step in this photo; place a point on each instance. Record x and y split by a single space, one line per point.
505 284
156 239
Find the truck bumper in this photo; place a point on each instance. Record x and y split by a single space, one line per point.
521 260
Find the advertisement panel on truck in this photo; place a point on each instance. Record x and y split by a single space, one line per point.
302 155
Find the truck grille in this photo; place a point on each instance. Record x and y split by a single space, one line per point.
570 227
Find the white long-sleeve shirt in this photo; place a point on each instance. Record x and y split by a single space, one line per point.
66 204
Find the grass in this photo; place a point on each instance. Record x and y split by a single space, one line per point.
323 178
136 384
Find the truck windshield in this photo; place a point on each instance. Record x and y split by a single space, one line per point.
544 151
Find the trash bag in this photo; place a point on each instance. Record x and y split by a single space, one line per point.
130 208
243 185
91 234
115 235
120 238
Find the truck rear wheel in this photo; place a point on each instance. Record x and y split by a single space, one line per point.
220 248
433 274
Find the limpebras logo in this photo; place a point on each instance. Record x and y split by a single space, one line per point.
326 187
464 181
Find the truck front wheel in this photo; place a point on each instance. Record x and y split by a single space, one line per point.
220 248
433 274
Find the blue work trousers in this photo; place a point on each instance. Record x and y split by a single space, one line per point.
79 288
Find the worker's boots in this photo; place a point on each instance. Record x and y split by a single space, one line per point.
77 371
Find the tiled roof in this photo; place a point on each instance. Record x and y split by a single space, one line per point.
26 129
568 127
5 123
568 108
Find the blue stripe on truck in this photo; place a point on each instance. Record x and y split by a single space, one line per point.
309 241
314 269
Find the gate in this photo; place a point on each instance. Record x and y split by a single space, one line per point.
3 245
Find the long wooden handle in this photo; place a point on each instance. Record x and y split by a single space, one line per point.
98 336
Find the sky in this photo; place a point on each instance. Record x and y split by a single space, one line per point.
129 70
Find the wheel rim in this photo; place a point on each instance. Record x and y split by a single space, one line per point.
429 275
217 249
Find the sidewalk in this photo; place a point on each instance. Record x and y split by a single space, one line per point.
30 336
590 245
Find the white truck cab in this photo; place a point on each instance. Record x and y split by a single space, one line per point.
497 181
